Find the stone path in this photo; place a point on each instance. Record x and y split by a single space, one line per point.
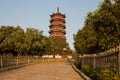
42 71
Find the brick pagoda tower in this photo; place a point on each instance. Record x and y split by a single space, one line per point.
57 25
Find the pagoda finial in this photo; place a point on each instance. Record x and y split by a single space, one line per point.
57 9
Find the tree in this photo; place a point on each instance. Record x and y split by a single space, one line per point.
101 30
58 44
49 49
35 41
117 1
5 31
18 42
10 37
106 25
85 39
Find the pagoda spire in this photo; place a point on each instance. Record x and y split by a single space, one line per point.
57 9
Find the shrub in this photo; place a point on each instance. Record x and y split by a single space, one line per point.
95 74
100 74
87 69
109 74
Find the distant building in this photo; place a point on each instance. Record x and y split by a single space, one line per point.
57 34
57 25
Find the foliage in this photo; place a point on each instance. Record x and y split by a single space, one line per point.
30 42
34 42
18 42
100 74
58 44
108 74
101 30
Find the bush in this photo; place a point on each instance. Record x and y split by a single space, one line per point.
109 74
95 73
100 74
87 69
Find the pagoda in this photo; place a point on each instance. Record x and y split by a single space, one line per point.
57 25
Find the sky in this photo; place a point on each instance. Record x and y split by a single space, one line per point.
36 14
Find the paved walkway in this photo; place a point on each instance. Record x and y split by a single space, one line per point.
42 71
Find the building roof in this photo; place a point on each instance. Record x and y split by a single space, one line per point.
58 13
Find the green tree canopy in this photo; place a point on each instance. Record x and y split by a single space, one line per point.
58 44
101 30
19 42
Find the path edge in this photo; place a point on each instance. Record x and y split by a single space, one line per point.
81 73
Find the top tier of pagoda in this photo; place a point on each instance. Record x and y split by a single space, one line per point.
57 25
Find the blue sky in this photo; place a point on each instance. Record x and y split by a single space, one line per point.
35 13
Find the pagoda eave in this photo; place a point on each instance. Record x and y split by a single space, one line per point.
59 14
